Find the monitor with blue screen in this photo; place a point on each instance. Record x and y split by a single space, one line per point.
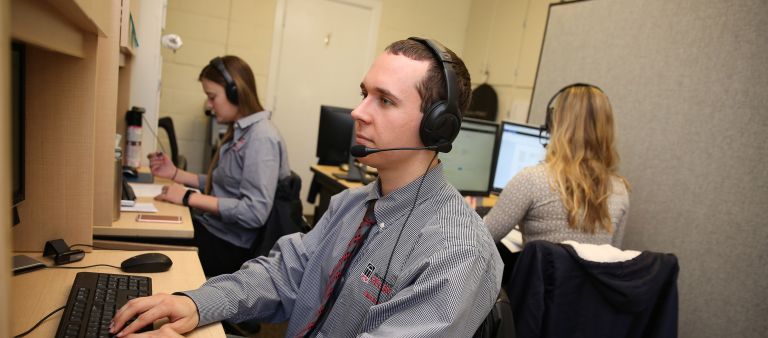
469 165
520 146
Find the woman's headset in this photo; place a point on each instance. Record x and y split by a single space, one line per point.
546 127
230 88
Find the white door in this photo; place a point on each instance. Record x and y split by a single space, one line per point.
319 58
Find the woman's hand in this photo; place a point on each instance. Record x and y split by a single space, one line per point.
173 193
181 312
162 166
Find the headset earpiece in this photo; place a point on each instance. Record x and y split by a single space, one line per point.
230 88
442 121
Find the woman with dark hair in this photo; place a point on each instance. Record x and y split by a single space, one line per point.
239 188
576 193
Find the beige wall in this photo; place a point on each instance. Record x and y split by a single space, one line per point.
239 27
445 21
500 36
502 48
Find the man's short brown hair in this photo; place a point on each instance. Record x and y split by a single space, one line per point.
432 87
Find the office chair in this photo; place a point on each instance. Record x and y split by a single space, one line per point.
499 322
285 218
166 123
484 103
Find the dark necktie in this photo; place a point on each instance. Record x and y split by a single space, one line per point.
335 280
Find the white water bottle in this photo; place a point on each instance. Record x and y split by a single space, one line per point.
133 137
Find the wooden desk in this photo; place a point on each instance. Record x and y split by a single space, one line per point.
485 201
37 293
328 185
127 226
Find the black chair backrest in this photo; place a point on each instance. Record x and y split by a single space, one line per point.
499 322
166 123
285 218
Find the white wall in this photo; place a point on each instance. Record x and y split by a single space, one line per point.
239 27
146 70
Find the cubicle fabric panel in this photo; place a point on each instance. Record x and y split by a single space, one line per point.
687 80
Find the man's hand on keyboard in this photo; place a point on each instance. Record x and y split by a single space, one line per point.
181 312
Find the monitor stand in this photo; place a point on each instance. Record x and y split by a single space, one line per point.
355 173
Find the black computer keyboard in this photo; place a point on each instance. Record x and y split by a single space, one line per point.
94 299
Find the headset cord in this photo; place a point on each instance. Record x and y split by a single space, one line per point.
82 267
91 246
38 323
151 130
415 199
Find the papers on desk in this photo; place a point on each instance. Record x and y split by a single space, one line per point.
146 190
140 207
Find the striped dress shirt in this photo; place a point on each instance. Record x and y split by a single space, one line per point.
245 180
443 279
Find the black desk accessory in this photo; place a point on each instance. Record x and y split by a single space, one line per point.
60 252
24 263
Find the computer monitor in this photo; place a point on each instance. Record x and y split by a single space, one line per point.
520 146
17 126
469 166
335 130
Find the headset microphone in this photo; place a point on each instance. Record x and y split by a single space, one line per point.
359 150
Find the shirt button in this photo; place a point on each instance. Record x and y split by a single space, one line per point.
381 225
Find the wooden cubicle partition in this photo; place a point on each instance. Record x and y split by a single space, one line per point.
71 99
5 169
60 141
107 80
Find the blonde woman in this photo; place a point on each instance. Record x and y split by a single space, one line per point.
576 193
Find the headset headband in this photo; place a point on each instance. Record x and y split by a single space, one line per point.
446 63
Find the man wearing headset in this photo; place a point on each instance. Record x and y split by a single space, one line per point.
420 264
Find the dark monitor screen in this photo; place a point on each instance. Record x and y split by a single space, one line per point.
17 121
469 165
334 134
520 146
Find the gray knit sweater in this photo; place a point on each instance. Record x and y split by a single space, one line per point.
530 201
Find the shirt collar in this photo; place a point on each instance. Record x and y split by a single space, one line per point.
397 203
244 122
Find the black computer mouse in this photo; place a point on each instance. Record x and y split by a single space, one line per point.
148 262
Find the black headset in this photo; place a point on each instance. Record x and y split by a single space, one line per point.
442 121
546 127
230 88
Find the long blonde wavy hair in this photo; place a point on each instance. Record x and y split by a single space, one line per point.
581 156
